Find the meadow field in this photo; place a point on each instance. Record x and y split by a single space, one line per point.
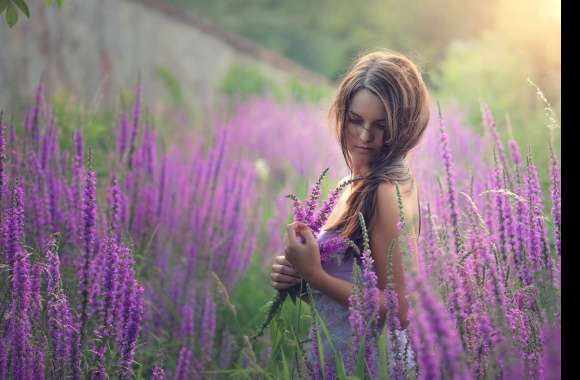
128 255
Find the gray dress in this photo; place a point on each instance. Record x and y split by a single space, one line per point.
335 315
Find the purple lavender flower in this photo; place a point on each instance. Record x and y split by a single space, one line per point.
187 322
79 148
312 201
35 297
132 330
101 371
500 208
3 359
208 326
298 208
516 156
331 246
111 281
356 315
158 373
424 341
123 292
397 370
15 231
33 127
122 134
330 370
19 322
364 303
162 189
551 337
115 209
442 326
538 248
226 349
183 369
47 142
447 159
556 201
38 368
53 188
489 121
88 239
2 159
135 123
327 207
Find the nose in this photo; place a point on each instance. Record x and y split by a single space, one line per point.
365 135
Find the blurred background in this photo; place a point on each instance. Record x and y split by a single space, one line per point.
193 54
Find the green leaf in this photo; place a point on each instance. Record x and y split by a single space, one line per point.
3 5
285 367
360 359
11 15
23 7
382 345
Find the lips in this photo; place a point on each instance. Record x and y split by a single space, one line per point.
363 148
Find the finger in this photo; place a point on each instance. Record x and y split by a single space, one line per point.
281 286
279 277
281 260
303 231
278 268
306 232
283 277
291 234
285 262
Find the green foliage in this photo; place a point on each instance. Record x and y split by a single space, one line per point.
496 77
98 131
171 84
325 35
484 54
244 81
478 71
307 93
10 9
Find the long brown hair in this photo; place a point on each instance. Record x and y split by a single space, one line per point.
397 82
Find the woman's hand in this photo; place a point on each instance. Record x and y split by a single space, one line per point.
303 256
283 274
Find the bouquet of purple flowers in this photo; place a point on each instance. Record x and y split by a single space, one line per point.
305 212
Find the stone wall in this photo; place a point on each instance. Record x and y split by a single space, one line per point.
95 49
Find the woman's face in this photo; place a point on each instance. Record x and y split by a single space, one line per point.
365 127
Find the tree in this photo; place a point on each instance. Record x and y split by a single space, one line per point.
10 9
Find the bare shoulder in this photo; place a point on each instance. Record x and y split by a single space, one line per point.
387 206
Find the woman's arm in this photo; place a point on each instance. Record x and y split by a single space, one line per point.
384 230
306 257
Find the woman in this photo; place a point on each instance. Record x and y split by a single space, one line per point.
380 113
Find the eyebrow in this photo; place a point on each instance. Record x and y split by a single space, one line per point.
357 115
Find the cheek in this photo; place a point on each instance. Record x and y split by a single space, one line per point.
381 138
